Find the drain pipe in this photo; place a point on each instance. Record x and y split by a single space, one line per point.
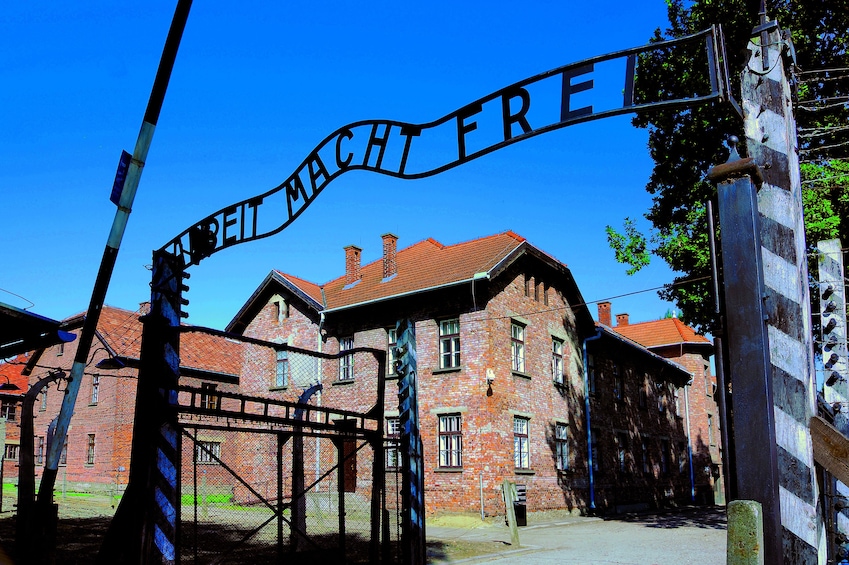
689 445
587 410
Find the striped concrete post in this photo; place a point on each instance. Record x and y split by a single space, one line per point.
770 130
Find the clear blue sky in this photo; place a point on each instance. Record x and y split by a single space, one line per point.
255 88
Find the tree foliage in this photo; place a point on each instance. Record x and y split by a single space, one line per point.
685 144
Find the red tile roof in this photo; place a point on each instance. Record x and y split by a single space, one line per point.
667 331
122 332
12 370
424 265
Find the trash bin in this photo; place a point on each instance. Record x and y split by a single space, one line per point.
520 507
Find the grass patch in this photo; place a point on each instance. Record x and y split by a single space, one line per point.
209 499
78 495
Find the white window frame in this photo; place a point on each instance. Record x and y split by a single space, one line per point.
561 440
346 361
517 347
95 389
393 445
449 344
90 449
521 442
557 360
203 457
391 344
281 369
450 441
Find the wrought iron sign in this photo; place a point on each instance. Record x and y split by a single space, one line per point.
560 97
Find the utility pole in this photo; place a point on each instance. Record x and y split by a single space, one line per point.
771 140
123 197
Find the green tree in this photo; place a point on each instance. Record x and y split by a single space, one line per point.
685 144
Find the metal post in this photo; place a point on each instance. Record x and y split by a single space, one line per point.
748 344
110 253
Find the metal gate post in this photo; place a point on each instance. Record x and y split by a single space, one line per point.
413 548
748 344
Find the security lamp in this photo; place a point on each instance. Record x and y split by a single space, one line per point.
9 385
110 363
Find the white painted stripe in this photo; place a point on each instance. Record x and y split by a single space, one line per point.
798 516
777 204
788 354
793 437
772 122
780 275
842 523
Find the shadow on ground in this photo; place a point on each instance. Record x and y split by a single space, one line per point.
710 518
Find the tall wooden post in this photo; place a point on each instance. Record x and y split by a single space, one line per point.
770 130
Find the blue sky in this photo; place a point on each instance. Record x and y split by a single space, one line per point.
256 86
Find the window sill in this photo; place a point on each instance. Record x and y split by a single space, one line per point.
278 388
448 470
447 370
393 377
524 472
340 382
560 384
521 374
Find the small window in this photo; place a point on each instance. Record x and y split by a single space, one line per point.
676 395
561 439
346 362
60 350
391 344
450 441
207 452
43 400
12 452
8 409
63 457
89 453
665 455
208 396
521 443
281 310
393 437
95 389
622 449
449 344
618 383
39 450
645 461
661 398
281 370
591 375
643 401
557 360
517 347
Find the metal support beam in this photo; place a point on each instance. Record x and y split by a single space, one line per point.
756 452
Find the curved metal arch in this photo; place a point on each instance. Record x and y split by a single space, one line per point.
335 154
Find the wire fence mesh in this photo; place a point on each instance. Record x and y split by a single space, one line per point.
266 479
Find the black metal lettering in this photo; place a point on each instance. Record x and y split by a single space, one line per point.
254 206
317 170
294 188
569 89
463 128
347 134
228 220
373 140
409 132
510 119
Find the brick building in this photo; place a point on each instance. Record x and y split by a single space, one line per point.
501 329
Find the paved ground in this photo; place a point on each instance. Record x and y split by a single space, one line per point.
689 536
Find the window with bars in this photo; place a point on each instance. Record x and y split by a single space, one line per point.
561 442
39 450
207 452
449 344
89 452
95 389
393 437
517 347
346 362
208 396
43 400
281 369
13 451
521 443
645 460
450 441
391 344
557 360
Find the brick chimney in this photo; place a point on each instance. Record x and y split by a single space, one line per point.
390 248
144 308
352 264
621 319
604 313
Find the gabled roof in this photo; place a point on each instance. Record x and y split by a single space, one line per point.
658 333
423 266
120 332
